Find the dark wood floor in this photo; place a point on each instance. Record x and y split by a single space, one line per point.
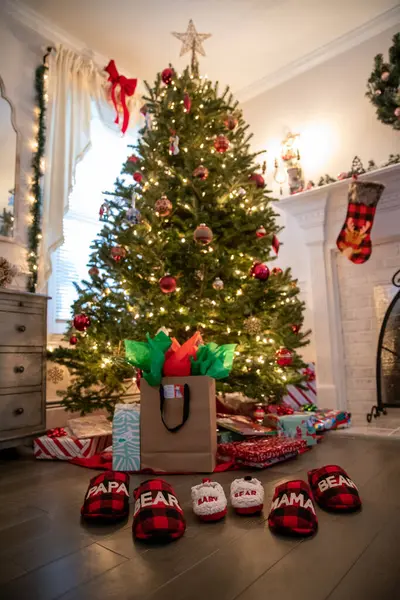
46 553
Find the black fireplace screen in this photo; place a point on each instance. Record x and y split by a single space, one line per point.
388 358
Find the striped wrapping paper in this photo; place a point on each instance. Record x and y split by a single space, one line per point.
67 446
296 398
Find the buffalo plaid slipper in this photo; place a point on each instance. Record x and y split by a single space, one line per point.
333 489
247 495
157 515
292 509
209 501
107 497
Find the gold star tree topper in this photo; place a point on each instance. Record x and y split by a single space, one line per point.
192 42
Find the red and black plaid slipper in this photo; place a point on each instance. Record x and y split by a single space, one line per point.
157 515
333 489
292 509
107 497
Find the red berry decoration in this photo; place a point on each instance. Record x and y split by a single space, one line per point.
163 206
259 271
187 102
276 271
203 234
133 159
230 122
137 176
295 328
221 143
261 232
201 172
81 322
284 357
167 75
118 253
167 284
73 340
257 179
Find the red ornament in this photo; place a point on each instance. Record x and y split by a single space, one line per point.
276 271
275 244
284 357
144 110
221 144
259 414
309 374
295 328
167 75
201 172
73 340
118 253
187 102
397 112
133 159
81 322
163 206
139 375
203 234
261 232
257 179
93 271
230 122
260 271
167 284
137 176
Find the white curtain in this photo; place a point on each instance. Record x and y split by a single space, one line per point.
73 83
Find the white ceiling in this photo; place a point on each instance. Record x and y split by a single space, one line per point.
251 39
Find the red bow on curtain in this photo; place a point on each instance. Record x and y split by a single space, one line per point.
127 88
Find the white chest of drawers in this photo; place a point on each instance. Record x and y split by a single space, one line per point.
22 366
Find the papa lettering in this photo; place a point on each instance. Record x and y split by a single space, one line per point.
335 481
292 501
113 486
146 499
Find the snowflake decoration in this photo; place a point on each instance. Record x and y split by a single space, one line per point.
55 374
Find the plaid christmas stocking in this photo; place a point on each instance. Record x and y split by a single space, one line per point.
354 240
292 509
333 489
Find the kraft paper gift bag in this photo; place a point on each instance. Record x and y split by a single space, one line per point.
178 426
126 438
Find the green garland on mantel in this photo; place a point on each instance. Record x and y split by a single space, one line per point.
35 195
357 168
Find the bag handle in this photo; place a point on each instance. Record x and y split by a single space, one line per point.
186 402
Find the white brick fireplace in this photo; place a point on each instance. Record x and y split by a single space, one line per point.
345 302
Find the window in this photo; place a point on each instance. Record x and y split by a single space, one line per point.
95 174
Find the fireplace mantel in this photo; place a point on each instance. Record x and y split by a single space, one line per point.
313 220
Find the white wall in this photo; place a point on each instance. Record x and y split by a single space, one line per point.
328 107
21 51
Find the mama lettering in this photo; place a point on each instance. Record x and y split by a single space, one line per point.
146 499
295 499
113 486
335 481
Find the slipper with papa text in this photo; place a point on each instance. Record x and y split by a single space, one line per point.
107 497
333 489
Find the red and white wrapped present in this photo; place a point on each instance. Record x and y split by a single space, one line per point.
61 444
296 397
262 452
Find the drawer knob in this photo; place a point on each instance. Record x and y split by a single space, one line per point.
21 328
18 411
21 304
19 369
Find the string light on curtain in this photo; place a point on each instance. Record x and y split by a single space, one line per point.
38 165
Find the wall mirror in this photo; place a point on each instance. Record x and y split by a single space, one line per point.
8 165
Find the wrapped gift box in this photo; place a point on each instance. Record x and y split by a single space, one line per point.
298 426
297 397
262 452
61 444
326 419
126 438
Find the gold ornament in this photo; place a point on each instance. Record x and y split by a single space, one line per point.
218 284
253 325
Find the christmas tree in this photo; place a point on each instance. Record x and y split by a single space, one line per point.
184 247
